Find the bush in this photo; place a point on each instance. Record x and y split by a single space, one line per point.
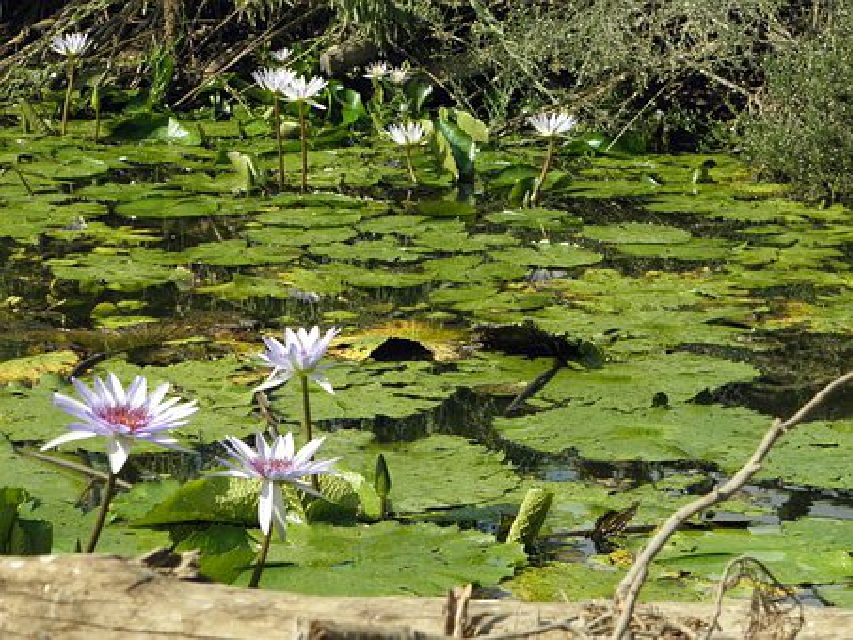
804 130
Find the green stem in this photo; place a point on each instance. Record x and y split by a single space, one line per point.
277 124
98 115
306 422
63 128
545 167
303 127
409 164
262 559
102 515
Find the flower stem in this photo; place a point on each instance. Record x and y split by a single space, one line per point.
303 128
409 164
306 422
262 559
546 165
277 118
97 101
102 515
63 128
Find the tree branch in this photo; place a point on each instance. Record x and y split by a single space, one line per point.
628 590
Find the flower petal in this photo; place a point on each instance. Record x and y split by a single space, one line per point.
265 505
118 450
71 436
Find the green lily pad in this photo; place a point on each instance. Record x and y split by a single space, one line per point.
385 559
636 233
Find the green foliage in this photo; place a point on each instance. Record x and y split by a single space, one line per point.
804 130
19 536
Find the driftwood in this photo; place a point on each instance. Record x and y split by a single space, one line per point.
79 597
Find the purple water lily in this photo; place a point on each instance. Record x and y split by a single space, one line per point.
274 464
300 355
122 416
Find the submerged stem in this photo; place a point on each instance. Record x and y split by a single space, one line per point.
262 560
546 165
102 515
277 118
63 128
303 128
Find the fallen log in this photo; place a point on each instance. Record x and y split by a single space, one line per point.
79 597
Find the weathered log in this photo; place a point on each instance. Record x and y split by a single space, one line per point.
79 597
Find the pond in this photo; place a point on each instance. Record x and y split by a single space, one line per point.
665 322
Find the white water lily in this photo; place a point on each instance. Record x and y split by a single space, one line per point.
274 464
376 71
275 80
300 355
398 75
407 134
122 416
72 45
549 125
302 90
282 55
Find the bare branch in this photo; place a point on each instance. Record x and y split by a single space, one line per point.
628 590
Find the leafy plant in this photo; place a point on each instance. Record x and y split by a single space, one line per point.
804 130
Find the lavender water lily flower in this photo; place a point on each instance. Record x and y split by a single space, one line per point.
376 70
282 55
274 80
302 90
274 464
549 125
300 355
121 417
72 45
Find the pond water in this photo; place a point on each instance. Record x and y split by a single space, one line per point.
668 322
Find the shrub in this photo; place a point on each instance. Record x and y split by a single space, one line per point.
803 132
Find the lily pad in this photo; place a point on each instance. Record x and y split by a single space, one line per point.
385 559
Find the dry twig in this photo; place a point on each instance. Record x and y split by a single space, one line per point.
629 588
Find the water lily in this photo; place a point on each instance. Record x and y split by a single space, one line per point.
549 126
407 135
282 55
299 356
302 92
398 75
121 417
276 81
376 71
273 464
71 46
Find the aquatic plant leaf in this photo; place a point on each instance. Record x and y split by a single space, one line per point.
552 256
636 233
31 368
805 551
385 559
217 499
598 579
431 473
226 551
